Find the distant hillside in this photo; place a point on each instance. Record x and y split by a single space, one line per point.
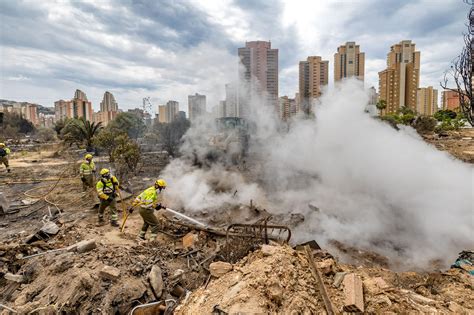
41 109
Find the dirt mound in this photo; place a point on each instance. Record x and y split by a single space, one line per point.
278 279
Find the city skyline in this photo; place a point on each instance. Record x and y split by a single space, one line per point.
40 68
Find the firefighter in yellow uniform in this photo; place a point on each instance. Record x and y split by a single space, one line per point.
87 171
150 200
4 152
107 188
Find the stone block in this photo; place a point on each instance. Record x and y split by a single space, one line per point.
353 293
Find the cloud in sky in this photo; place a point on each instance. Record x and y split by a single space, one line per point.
170 49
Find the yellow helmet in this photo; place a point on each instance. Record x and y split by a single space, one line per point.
2 145
104 171
160 182
88 156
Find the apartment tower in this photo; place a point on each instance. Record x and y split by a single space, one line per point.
349 62
313 75
196 106
427 101
398 84
258 76
108 103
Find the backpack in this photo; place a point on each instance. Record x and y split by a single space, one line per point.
3 152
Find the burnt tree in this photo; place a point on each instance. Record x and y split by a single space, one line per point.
461 70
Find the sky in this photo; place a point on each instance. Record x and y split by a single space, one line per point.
167 50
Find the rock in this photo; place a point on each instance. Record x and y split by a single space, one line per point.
326 266
15 278
375 285
50 228
354 294
338 279
85 246
275 292
219 268
109 273
268 250
178 274
421 299
190 239
156 281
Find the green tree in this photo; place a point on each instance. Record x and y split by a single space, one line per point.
381 105
128 123
105 140
126 155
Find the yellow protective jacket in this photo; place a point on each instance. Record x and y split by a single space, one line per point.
149 198
87 168
106 188
5 151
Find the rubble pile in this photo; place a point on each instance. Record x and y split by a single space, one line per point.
277 279
54 259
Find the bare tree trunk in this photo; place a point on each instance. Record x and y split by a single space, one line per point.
461 71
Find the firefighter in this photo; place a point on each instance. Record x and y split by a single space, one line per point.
87 172
4 152
107 189
149 200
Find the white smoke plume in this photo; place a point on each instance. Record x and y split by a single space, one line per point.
376 188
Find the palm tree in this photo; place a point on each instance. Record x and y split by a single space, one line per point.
81 131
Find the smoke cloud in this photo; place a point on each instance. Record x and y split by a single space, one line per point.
376 188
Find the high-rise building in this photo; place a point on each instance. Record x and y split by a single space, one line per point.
221 110
313 75
373 96
427 101
398 84
450 100
349 62
259 76
231 101
172 109
162 116
288 107
108 103
196 106
108 109
78 107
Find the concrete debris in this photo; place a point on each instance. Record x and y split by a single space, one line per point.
219 268
156 281
326 266
354 295
178 274
15 278
190 239
50 228
375 285
85 246
268 250
109 273
338 278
